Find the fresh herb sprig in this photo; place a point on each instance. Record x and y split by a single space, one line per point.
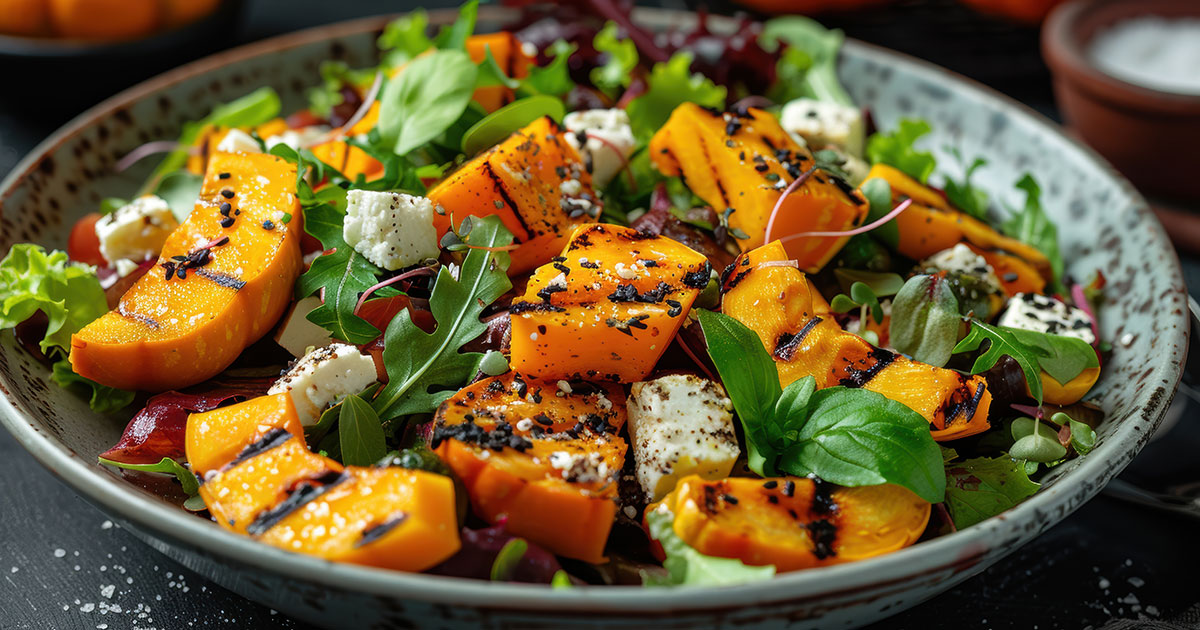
897 149
1063 358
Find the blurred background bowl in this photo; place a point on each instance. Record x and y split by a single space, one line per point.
1151 136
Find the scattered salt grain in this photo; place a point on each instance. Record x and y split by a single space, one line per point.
87 608
59 553
107 590
1104 583
14 570
1136 582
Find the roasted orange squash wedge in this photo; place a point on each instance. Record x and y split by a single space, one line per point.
793 522
744 162
932 225
542 457
607 308
793 322
230 280
259 478
1071 392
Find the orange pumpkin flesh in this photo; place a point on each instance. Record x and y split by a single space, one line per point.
510 57
521 181
172 333
793 322
607 308
260 479
558 489
732 161
791 522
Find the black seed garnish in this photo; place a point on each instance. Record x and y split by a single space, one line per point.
1011 276
770 485
228 194
698 279
225 208
181 273
676 308
499 437
227 222
268 225
730 499
823 535
222 175
789 488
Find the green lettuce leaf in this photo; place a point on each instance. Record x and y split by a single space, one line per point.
68 293
897 149
617 71
1031 225
670 85
978 489
686 566
426 99
167 466
101 398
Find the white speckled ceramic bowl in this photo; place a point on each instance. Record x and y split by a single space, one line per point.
1104 223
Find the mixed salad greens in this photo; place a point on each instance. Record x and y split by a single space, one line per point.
572 303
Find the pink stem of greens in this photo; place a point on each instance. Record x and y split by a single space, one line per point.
786 192
1081 301
895 212
368 100
1030 410
754 100
620 154
419 271
793 263
148 149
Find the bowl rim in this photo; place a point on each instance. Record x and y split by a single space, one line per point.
1064 52
960 551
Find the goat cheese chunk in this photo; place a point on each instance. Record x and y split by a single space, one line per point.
238 141
323 377
299 138
680 425
393 230
604 140
135 231
962 259
298 334
822 123
1044 314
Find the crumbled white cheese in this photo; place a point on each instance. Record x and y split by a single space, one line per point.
822 123
324 376
603 138
135 231
680 425
298 138
961 259
298 334
393 230
125 267
1041 313
580 466
238 141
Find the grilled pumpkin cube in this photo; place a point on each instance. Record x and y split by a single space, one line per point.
932 225
534 181
259 478
613 289
795 326
231 280
541 456
744 161
793 523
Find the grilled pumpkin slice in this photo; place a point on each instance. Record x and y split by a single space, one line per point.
258 478
795 326
793 522
542 457
534 181
744 161
230 279
607 308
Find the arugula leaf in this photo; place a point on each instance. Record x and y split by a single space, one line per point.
1032 226
404 38
167 466
553 78
456 35
427 98
507 559
671 84
896 149
360 433
752 381
502 123
490 73
965 196
978 489
103 399
1063 358
180 189
820 47
685 565
878 192
417 361
252 109
68 293
856 437
344 275
622 58
925 320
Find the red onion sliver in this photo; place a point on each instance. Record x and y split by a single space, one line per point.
754 100
368 100
419 271
779 202
150 148
901 207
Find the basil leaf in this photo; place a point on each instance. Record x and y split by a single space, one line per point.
978 489
553 78
896 149
68 293
167 466
925 320
1063 358
490 73
252 109
502 123
417 361
360 433
878 193
424 100
508 558
965 196
751 379
404 38
669 85
622 58
855 437
1031 225
103 399
180 190
685 565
